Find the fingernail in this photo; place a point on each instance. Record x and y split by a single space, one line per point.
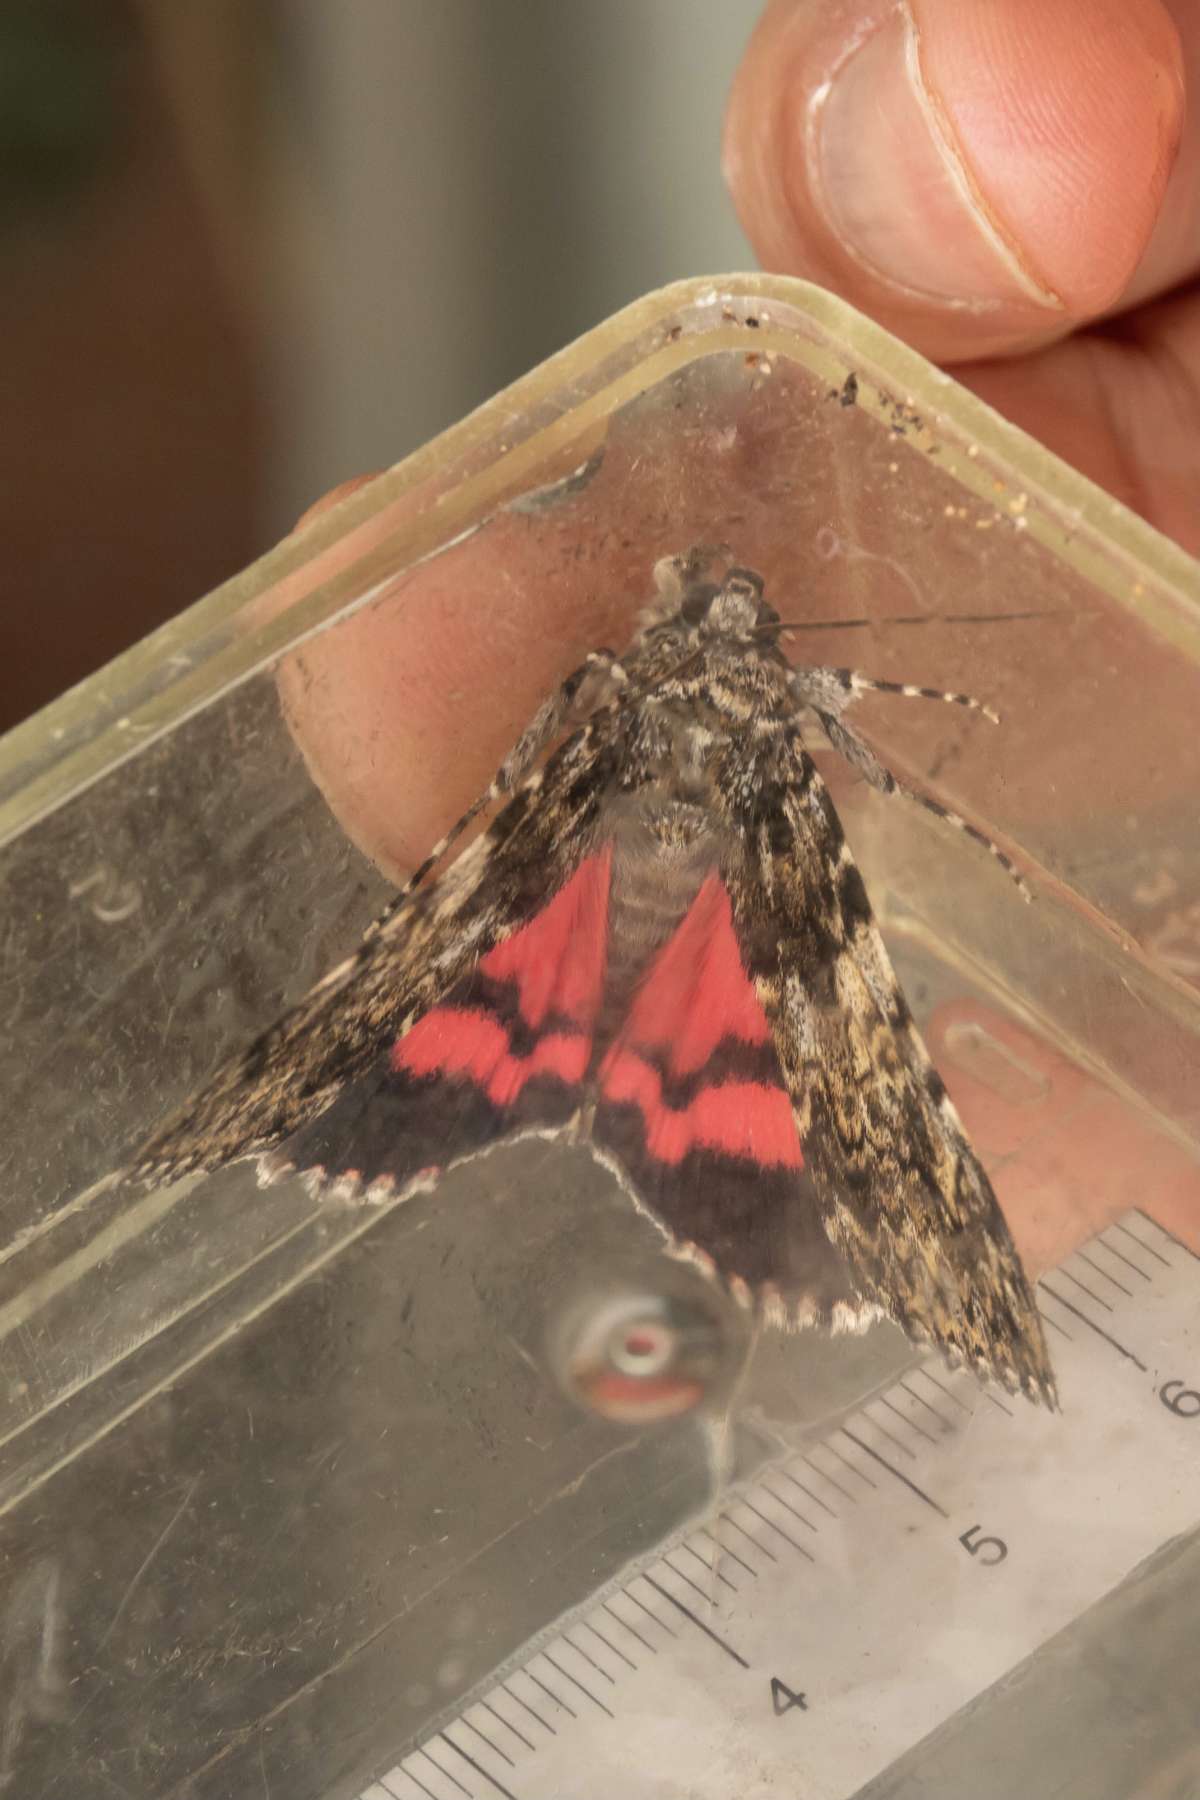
894 186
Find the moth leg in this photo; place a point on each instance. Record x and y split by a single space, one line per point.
860 756
835 689
595 682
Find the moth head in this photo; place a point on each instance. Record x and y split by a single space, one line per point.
732 608
729 607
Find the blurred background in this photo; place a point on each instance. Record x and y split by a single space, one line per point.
249 248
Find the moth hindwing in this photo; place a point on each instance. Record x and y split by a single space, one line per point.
662 943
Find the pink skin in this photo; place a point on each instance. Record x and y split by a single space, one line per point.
1013 188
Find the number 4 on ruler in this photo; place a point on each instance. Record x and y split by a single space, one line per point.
783 1699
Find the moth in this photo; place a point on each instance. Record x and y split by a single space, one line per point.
662 945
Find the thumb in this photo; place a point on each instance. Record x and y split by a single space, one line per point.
980 178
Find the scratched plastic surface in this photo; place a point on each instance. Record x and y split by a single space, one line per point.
281 1484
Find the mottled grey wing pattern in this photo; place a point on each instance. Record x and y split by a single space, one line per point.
408 961
902 1195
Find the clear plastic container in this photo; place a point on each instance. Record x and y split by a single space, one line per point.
282 1484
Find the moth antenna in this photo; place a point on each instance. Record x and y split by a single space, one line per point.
866 622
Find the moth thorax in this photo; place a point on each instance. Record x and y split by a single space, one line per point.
676 747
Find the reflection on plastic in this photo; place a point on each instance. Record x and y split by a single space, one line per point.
637 1357
33 1677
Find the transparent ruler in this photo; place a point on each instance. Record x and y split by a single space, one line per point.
871 1585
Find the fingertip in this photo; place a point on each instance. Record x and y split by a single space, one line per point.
403 708
342 491
1067 118
978 178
